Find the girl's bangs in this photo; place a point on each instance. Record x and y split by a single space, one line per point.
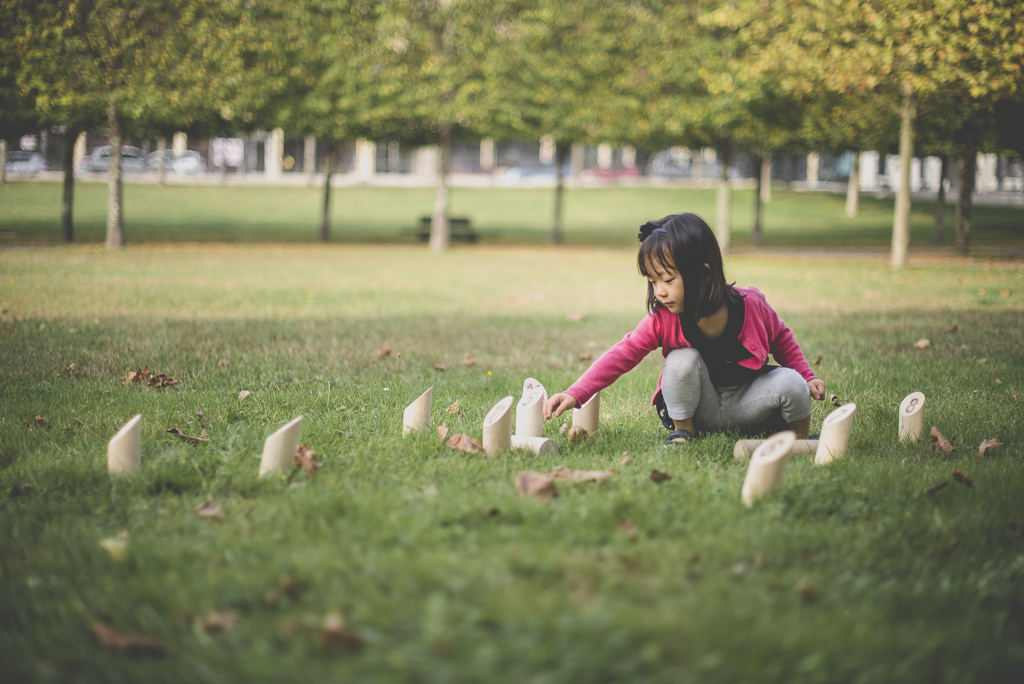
657 251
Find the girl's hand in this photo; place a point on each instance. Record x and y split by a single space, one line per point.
557 404
817 388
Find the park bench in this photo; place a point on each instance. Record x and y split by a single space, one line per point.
459 229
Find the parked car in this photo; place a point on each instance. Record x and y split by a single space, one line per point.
534 172
133 160
25 162
672 164
188 161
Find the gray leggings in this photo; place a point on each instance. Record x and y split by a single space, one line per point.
688 393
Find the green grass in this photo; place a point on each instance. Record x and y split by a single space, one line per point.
473 583
30 213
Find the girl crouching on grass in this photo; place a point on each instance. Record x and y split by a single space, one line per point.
715 339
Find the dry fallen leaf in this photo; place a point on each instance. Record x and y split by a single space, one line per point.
808 590
220 620
628 528
952 328
1005 293
940 486
577 316
535 484
40 421
577 433
117 547
469 360
585 356
305 458
465 443
243 394
657 477
210 510
817 361
384 352
581 475
223 362
922 343
339 637
180 434
138 375
125 641
453 409
998 381
162 380
989 444
940 442
442 431
624 460
72 368
440 367
962 477
291 587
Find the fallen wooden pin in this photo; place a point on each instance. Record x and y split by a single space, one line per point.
540 446
124 451
745 447
588 416
767 466
279 448
835 434
912 417
417 414
498 428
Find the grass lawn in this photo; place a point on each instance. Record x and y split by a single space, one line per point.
30 213
853 572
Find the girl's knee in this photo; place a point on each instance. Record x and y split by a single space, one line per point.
682 362
794 393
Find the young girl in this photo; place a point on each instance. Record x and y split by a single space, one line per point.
715 339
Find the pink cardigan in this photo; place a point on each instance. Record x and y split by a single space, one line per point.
763 333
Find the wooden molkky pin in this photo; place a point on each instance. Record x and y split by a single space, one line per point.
279 448
835 434
912 417
588 416
745 447
767 466
124 451
498 428
417 414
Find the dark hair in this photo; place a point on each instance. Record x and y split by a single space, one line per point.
686 243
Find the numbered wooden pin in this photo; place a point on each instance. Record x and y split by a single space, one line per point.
588 416
417 414
912 417
745 447
835 434
540 446
279 448
124 451
498 428
531 385
767 466
530 415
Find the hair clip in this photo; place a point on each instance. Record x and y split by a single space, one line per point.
648 229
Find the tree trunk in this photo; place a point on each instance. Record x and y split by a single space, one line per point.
758 199
67 227
309 159
853 188
967 167
561 154
722 204
940 201
901 217
161 160
439 238
115 223
3 161
766 178
325 219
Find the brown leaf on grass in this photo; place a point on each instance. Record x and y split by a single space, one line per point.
126 641
989 444
581 475
180 434
223 362
162 380
453 409
535 484
577 316
305 458
292 588
817 361
1005 293
998 381
922 343
243 394
338 637
962 477
440 367
40 421
577 433
210 510
72 368
469 360
442 431
809 590
220 621
384 352
939 442
139 375
982 360
657 477
465 443
952 328
628 527
938 487
624 460
585 356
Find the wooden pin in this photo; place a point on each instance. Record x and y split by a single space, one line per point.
912 417
417 414
767 466
279 448
835 433
531 385
745 447
124 451
588 416
498 428
540 446
530 414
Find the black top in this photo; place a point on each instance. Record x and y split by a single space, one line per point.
722 354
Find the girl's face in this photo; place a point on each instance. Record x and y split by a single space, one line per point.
667 284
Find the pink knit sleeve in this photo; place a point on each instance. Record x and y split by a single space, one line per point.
783 346
619 359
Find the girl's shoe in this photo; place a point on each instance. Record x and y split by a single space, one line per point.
679 436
